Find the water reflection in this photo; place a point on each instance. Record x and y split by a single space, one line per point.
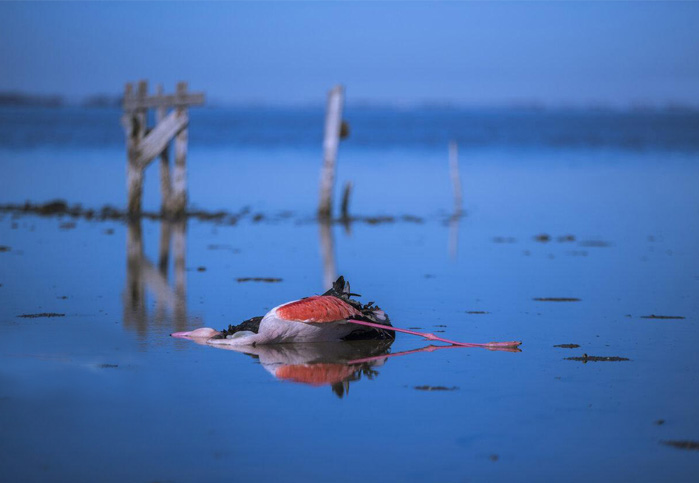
334 364
142 275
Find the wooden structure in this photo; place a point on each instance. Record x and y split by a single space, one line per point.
331 142
144 144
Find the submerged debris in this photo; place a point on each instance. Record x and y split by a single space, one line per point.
4 248
567 346
557 299
543 238
595 243
585 358
663 317
259 279
477 312
690 445
43 314
435 388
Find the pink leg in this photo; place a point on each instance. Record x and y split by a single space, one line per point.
489 345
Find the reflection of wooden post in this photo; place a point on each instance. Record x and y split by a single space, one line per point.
179 251
331 140
179 183
165 184
327 249
455 177
141 274
135 294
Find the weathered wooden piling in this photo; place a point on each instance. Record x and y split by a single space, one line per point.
331 141
143 144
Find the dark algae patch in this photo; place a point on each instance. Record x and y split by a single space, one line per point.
259 279
435 388
690 445
585 358
567 346
595 243
556 299
663 317
42 314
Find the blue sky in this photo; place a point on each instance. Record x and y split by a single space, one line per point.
405 53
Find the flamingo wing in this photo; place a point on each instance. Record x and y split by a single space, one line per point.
319 309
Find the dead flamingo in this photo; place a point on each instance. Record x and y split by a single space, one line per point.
329 317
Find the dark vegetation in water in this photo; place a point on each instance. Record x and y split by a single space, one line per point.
504 239
567 346
259 279
595 243
585 358
543 238
556 299
107 212
42 314
477 312
4 248
690 445
435 388
663 317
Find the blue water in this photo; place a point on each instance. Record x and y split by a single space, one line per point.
105 394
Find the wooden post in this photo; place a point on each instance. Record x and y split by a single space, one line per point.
178 203
331 140
455 177
136 132
327 252
165 183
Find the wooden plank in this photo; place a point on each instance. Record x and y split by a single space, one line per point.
333 122
154 143
171 100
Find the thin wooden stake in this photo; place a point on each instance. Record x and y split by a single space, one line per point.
455 177
331 141
344 210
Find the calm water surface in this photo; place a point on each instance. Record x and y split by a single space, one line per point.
104 393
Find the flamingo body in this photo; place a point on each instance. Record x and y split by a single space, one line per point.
320 318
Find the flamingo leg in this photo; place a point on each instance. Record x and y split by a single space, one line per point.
430 336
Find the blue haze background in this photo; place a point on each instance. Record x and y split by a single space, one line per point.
572 119
615 53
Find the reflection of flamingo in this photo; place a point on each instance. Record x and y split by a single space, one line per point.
328 317
333 364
